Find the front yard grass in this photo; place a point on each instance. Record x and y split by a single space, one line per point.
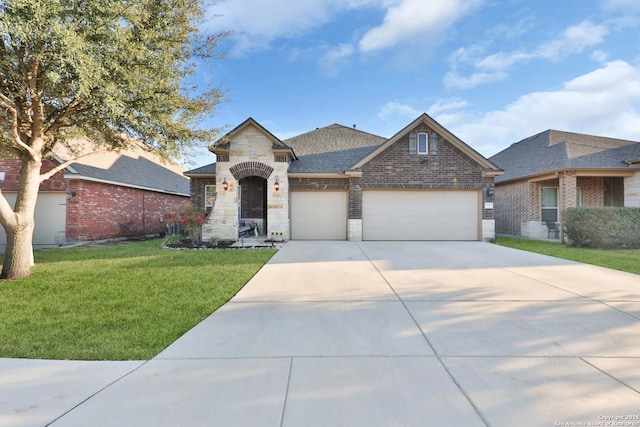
618 259
125 302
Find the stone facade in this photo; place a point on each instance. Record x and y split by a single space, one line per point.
250 153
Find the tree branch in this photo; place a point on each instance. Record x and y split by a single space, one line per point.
7 215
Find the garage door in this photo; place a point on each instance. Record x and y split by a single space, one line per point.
50 217
319 215
420 215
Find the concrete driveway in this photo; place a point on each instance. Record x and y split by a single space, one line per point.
373 334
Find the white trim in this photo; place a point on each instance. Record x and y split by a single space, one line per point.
121 184
426 143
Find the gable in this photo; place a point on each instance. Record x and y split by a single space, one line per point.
552 151
248 138
427 124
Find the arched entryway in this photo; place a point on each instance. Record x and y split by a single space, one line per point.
252 204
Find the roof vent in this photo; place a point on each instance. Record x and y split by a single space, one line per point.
354 125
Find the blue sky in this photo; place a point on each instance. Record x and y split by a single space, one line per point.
491 71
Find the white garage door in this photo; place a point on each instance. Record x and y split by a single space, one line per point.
420 215
50 217
319 215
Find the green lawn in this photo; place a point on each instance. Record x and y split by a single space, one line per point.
122 302
618 259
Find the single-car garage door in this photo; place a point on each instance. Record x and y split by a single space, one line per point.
420 215
50 218
319 215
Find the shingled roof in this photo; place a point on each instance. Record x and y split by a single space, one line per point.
554 150
332 148
134 167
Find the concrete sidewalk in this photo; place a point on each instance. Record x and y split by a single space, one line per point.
372 334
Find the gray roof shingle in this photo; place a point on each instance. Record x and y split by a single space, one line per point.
209 169
333 148
137 172
554 150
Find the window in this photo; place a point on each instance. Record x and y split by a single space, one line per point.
549 204
423 143
209 196
578 197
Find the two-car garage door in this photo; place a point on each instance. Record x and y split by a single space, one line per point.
388 215
420 215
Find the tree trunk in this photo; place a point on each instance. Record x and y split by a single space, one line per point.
18 255
19 223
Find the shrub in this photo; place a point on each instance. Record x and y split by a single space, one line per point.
603 227
187 220
172 240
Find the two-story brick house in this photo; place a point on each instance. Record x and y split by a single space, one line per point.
340 183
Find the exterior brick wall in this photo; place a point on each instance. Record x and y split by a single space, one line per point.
318 184
254 196
196 186
103 211
449 169
11 168
592 190
355 198
511 202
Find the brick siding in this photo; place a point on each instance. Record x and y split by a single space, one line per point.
100 211
318 184
511 207
103 211
396 168
197 186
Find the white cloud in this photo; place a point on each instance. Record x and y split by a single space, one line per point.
599 55
453 79
395 108
256 23
410 19
622 4
574 39
446 105
604 102
331 60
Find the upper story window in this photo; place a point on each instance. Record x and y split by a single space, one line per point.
423 143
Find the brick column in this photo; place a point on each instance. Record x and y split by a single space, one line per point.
354 226
632 191
566 196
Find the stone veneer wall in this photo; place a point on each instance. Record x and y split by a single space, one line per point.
251 145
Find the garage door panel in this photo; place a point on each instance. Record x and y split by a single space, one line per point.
420 215
319 215
50 218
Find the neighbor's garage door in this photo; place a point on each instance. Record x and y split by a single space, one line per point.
420 215
319 215
50 217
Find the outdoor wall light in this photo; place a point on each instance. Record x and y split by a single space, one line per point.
225 185
71 195
276 185
491 190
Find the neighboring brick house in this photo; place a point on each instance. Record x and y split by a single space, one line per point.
340 183
102 196
554 170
